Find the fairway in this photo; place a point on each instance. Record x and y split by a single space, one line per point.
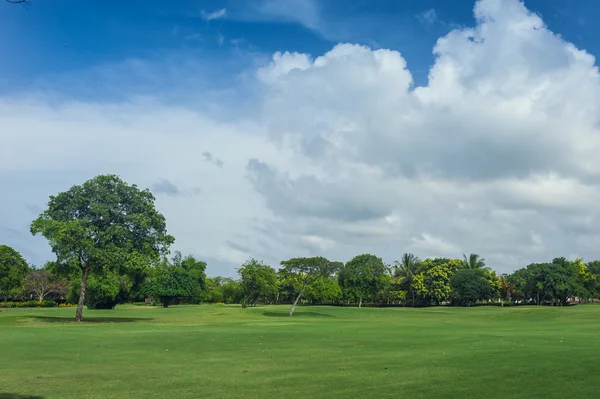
322 352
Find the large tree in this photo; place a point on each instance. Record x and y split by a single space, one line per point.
257 280
307 270
407 268
364 274
13 269
104 224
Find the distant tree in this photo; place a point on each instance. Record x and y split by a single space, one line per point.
364 274
195 268
169 283
474 261
551 282
13 269
257 281
407 268
323 290
508 287
308 270
432 284
42 283
470 285
102 225
103 291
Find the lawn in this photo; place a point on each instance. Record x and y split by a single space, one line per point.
211 351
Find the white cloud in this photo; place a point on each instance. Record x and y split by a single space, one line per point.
304 12
340 153
428 17
217 14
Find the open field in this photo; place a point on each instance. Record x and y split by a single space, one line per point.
322 352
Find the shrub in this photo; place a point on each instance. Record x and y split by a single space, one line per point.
28 304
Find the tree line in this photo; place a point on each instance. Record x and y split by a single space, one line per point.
112 246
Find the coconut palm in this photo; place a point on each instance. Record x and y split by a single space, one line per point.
474 262
407 268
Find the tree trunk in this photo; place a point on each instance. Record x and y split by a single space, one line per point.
83 287
413 295
296 301
360 302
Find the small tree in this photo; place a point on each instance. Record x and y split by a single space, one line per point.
13 270
102 225
308 270
169 284
42 283
257 280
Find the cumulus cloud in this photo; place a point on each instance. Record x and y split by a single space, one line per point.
342 154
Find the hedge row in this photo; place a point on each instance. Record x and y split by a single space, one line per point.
29 304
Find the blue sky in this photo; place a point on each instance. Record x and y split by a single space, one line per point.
61 37
284 128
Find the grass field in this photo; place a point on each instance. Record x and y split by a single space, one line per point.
322 352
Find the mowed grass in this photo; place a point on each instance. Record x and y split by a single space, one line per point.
322 352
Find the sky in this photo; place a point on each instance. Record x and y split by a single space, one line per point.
281 128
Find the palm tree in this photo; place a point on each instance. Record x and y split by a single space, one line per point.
474 262
407 268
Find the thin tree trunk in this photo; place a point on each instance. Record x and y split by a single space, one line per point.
360 302
83 287
296 301
413 294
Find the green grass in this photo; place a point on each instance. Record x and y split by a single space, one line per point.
322 352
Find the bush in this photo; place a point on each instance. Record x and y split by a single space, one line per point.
28 304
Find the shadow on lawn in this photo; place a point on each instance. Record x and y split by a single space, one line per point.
53 319
296 314
4 395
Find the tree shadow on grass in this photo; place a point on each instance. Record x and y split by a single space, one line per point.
4 395
96 320
296 314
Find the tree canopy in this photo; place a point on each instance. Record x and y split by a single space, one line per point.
364 275
257 281
13 269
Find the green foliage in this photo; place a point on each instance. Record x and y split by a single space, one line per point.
323 290
29 304
474 262
258 281
470 285
306 271
364 275
221 289
406 269
13 269
551 282
432 284
103 292
176 280
103 225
